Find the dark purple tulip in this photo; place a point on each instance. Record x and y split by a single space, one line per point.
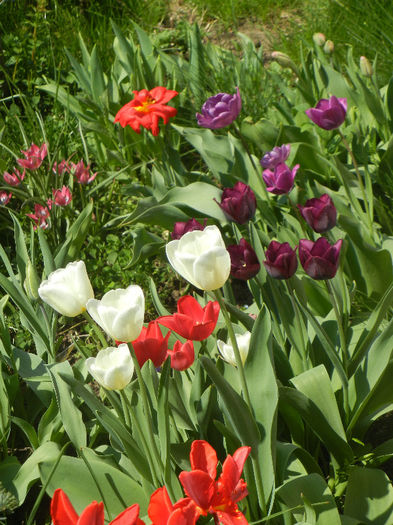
280 180
239 203
319 259
244 261
328 113
320 214
278 155
220 110
281 260
180 228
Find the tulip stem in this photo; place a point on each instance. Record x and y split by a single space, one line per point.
97 331
82 454
360 180
125 407
300 328
146 407
231 333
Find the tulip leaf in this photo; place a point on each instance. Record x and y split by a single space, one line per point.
73 476
70 414
235 408
369 496
314 488
261 381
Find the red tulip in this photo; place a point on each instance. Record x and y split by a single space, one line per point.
151 345
63 513
191 320
161 510
216 497
147 108
182 356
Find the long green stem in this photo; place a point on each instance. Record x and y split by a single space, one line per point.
299 326
82 454
246 394
146 408
97 330
125 407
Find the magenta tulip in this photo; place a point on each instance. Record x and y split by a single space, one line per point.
328 113
281 261
180 228
238 203
244 261
278 155
280 180
220 110
320 214
319 259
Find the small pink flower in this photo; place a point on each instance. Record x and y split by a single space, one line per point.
34 157
5 198
61 167
62 197
14 178
40 216
280 180
82 173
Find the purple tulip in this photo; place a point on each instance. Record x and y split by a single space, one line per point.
280 180
180 228
220 110
320 213
319 259
281 261
244 261
328 113
239 203
278 155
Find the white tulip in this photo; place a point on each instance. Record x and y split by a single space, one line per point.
226 349
68 289
201 257
120 312
112 368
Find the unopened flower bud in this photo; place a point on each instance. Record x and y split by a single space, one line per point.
284 60
319 39
365 67
328 48
31 282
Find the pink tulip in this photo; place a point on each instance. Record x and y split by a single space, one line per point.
62 197
34 157
14 178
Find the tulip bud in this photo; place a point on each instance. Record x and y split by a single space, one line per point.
227 352
182 356
120 312
180 228
244 261
319 39
328 113
319 259
68 289
112 368
328 48
201 257
31 282
320 214
238 203
281 261
284 61
365 67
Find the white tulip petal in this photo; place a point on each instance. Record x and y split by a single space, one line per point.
226 349
212 269
112 368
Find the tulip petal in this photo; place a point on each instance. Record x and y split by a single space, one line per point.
203 457
129 516
93 514
160 507
61 509
199 486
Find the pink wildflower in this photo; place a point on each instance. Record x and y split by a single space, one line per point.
82 173
14 178
62 197
40 216
5 198
34 157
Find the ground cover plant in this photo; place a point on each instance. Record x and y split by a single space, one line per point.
246 209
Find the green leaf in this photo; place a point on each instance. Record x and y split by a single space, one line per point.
369 496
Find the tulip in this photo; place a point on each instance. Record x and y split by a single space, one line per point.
320 214
34 157
226 349
285 61
61 167
62 197
328 113
40 215
280 180
120 312
278 155
201 258
180 228
112 368
319 39
63 513
281 261
15 178
161 511
365 67
68 289
319 259
5 198
191 320
328 48
151 345
182 356
244 260
238 203
82 173
220 110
